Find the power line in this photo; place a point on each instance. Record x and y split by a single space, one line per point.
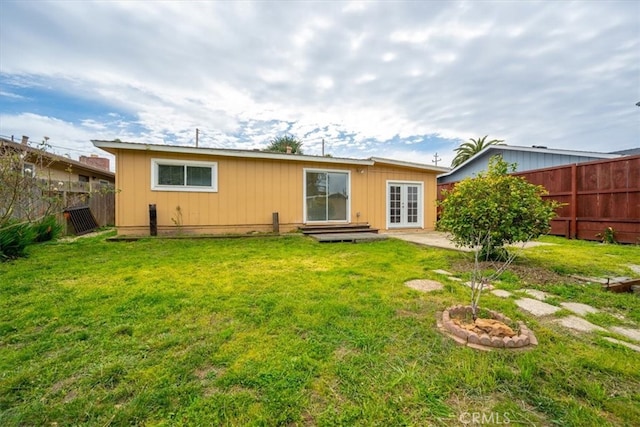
48 144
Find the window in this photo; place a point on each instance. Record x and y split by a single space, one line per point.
179 175
28 169
326 196
83 178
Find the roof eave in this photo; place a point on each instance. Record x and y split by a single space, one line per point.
530 149
114 145
411 165
61 159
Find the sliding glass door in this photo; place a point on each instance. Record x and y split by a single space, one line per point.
326 196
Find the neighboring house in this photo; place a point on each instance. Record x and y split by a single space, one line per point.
526 158
629 152
208 190
63 173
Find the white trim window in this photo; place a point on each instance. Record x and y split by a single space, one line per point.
326 195
184 175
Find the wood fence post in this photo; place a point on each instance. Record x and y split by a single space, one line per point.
153 220
276 222
573 228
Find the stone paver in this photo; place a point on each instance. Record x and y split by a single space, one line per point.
445 272
578 324
535 307
455 279
487 286
635 268
624 343
634 334
424 285
501 293
578 308
539 295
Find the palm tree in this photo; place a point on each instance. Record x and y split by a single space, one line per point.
281 143
466 150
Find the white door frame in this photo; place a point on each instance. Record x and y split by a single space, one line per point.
347 172
420 222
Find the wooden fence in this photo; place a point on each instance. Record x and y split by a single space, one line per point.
597 195
100 199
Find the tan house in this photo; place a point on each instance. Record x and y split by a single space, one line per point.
63 173
207 190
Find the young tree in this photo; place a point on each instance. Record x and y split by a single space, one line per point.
280 144
466 150
492 210
26 201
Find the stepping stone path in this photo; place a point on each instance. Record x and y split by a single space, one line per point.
448 274
634 334
424 285
487 286
578 324
538 308
444 272
578 308
635 268
501 293
535 307
539 295
624 343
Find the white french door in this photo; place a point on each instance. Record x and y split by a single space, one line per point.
404 205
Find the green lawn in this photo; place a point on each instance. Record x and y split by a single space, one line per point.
267 331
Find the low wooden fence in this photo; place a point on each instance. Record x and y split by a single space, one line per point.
597 195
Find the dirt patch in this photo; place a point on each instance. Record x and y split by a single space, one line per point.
62 384
530 275
341 352
491 327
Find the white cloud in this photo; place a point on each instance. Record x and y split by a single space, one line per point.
65 138
359 74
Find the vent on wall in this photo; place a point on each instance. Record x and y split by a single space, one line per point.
82 219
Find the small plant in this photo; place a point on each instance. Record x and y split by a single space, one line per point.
608 236
47 229
177 218
14 239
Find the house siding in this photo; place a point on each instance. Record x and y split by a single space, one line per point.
525 160
249 191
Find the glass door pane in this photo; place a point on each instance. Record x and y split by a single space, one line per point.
412 204
395 204
327 195
337 197
316 196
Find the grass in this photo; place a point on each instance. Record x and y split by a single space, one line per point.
285 331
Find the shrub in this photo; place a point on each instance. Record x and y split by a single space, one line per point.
14 239
47 229
490 211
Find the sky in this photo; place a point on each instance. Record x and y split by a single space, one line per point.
401 80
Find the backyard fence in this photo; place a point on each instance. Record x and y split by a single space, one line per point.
47 197
597 195
100 199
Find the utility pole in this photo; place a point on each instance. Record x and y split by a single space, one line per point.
322 147
436 159
197 136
